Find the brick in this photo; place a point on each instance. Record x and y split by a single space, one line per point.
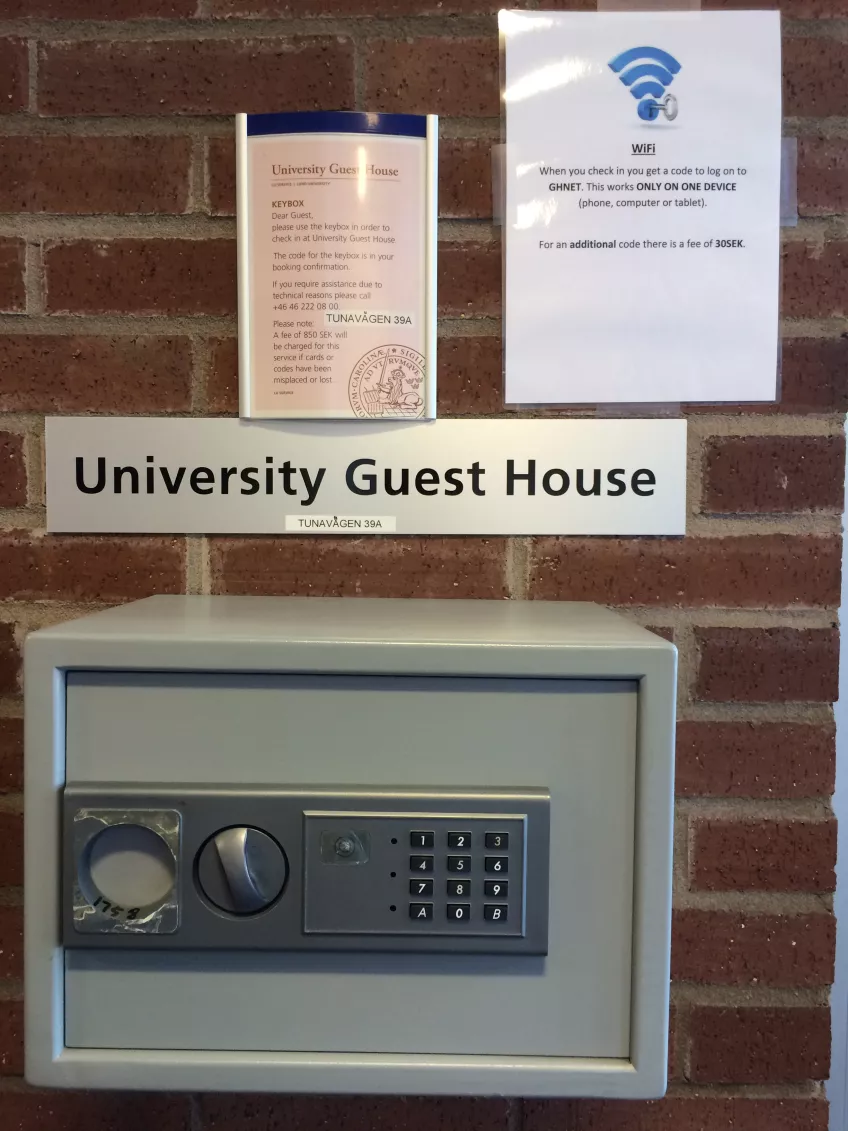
222 176
560 5
772 474
797 9
59 568
755 759
729 949
11 755
759 1046
778 855
815 279
222 392
317 1113
381 8
361 567
469 279
10 661
676 1113
470 376
31 1110
133 174
822 175
813 372
458 77
126 276
13 477
814 72
11 851
195 76
12 285
465 179
749 571
11 943
11 1038
53 373
767 665
97 9
14 75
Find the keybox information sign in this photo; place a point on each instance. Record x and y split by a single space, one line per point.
336 243
228 476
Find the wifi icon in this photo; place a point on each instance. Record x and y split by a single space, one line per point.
646 72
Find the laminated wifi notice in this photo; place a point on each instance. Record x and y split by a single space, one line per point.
225 476
642 230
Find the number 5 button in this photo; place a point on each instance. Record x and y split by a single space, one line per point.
499 864
459 863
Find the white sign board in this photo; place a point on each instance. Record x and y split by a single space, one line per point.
228 476
642 206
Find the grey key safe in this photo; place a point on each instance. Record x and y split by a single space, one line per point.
276 869
322 845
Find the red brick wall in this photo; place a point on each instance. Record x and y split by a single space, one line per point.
117 295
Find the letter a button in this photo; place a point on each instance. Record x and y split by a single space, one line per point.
421 910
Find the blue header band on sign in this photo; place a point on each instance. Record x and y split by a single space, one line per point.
337 122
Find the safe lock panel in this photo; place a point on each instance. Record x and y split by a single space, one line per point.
242 869
329 845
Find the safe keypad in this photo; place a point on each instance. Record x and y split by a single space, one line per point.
468 853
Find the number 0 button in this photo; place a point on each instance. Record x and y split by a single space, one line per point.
459 911
498 864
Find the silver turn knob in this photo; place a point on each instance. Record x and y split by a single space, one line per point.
242 870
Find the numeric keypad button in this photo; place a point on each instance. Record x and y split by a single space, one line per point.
459 888
421 863
422 840
459 912
459 840
500 841
496 889
497 864
459 863
421 911
494 913
421 887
